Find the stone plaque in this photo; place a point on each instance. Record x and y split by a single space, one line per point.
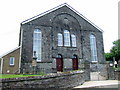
34 63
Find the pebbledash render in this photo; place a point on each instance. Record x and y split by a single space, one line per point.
61 39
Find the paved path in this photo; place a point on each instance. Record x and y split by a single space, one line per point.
100 84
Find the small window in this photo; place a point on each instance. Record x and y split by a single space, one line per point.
12 60
74 56
60 39
73 40
66 38
59 56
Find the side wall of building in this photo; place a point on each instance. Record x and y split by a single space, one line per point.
10 69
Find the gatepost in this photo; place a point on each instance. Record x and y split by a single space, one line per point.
34 63
87 70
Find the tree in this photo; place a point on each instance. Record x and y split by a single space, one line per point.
114 51
109 56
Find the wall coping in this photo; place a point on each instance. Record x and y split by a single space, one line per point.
50 75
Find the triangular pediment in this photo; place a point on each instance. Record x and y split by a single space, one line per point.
58 7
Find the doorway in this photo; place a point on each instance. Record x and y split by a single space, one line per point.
75 62
59 63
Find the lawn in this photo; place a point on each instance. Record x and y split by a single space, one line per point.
16 76
117 68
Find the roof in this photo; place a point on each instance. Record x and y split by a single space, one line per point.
10 51
65 4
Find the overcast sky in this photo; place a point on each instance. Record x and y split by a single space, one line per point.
103 13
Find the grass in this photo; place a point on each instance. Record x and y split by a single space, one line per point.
117 68
3 76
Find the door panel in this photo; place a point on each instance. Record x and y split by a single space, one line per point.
59 64
75 63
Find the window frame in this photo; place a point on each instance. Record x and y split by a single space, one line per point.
13 61
67 40
73 39
37 44
93 48
60 39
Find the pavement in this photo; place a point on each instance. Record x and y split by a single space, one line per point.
101 84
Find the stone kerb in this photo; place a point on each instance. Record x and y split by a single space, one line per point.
56 80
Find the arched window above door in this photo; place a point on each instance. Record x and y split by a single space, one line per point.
66 38
74 56
60 39
73 38
59 56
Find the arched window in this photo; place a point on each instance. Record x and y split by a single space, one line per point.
74 56
59 56
66 38
60 39
37 41
73 37
93 48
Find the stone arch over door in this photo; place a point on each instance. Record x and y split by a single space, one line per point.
59 63
75 62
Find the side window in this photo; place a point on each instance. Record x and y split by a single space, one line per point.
66 38
37 41
73 37
12 60
93 48
60 39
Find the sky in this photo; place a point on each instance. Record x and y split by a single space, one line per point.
103 13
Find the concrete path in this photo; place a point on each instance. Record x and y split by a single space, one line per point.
100 84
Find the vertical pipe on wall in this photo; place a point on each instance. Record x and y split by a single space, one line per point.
20 50
1 66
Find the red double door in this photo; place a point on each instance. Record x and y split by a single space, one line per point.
59 64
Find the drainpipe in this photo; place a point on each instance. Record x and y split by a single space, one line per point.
1 65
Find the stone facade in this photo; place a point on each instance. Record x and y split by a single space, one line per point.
54 22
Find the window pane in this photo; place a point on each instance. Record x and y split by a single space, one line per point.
93 48
60 39
12 60
66 38
37 43
73 40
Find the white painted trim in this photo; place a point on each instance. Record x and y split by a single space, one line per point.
1 65
20 50
10 51
94 61
65 4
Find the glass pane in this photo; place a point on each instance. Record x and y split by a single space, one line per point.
37 43
66 38
60 40
93 48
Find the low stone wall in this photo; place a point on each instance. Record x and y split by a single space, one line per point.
56 80
117 74
113 74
